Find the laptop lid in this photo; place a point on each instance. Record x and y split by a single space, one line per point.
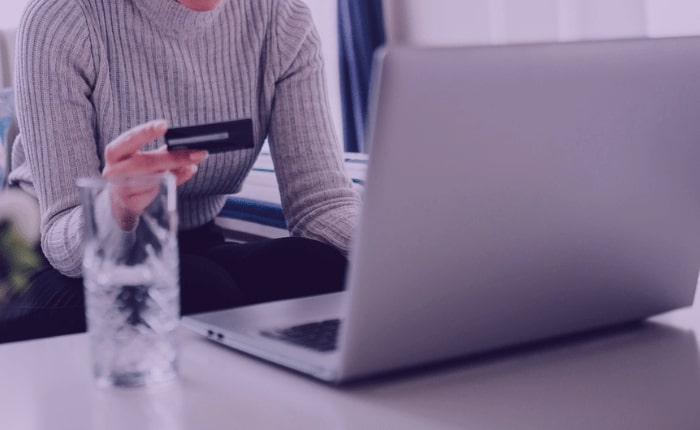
522 192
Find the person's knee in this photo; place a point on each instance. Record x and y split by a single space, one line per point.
328 257
206 286
320 265
52 305
279 269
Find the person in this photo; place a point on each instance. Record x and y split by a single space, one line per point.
98 84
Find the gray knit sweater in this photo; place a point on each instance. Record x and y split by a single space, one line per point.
87 70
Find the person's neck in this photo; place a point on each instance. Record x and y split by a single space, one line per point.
200 5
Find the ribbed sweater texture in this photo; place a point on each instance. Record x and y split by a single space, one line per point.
88 70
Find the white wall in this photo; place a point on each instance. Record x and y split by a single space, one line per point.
673 17
590 19
326 19
10 12
458 22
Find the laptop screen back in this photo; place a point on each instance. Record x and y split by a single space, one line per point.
523 192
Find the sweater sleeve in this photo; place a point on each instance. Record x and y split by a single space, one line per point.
317 195
55 74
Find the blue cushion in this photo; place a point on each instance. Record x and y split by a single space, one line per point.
258 202
257 211
7 107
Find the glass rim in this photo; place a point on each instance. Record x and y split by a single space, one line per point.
124 179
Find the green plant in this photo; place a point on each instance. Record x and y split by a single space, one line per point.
19 256
18 260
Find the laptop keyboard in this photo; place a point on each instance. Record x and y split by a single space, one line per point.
320 336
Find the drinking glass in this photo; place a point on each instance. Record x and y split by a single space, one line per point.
131 277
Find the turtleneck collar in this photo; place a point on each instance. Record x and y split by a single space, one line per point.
175 19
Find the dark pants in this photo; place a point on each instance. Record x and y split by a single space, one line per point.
213 275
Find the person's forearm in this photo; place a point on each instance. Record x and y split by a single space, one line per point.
62 242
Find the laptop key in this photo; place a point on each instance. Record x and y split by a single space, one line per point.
320 335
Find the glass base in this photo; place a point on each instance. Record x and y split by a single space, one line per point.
136 379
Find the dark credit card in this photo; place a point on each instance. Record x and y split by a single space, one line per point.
214 137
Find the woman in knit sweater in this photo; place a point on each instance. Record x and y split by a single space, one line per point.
98 84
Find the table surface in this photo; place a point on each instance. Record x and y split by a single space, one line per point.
641 377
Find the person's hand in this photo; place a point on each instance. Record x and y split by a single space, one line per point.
124 158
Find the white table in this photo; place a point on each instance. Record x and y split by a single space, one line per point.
643 378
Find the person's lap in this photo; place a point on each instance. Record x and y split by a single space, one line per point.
52 305
232 274
213 275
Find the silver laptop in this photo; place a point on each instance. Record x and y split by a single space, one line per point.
513 194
